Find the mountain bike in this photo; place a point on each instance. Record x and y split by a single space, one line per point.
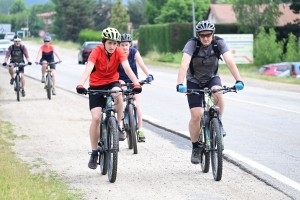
18 79
211 141
108 143
130 116
49 82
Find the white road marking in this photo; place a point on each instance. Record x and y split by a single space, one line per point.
264 169
257 104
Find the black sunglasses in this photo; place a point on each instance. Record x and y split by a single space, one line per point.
205 35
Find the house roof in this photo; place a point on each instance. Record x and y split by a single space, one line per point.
46 15
224 14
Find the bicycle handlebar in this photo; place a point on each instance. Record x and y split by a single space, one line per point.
224 90
130 85
50 63
103 92
19 64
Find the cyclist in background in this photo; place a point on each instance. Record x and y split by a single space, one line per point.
205 67
133 56
46 55
102 71
16 52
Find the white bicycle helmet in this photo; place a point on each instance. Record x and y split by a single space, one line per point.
111 34
205 26
17 38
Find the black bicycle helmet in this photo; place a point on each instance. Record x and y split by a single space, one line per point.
17 38
125 37
205 26
47 38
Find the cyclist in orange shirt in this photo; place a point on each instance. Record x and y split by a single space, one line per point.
102 71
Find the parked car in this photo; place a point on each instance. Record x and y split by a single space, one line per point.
85 51
295 70
275 69
9 36
4 44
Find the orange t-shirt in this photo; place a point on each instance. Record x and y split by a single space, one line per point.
105 70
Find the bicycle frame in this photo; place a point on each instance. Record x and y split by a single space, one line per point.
18 79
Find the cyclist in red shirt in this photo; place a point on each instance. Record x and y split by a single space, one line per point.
102 71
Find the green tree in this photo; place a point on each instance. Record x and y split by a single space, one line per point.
292 50
18 7
136 12
102 14
253 14
71 17
263 43
119 17
35 23
153 9
180 11
5 6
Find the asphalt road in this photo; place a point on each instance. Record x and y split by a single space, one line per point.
262 124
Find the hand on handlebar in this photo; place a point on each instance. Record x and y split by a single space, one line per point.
137 89
80 89
36 62
4 64
181 88
150 78
239 85
59 61
29 63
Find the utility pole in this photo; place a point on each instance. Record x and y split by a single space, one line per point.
194 23
27 25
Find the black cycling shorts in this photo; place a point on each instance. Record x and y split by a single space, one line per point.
52 66
98 100
21 69
196 100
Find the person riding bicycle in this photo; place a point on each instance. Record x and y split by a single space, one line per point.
46 55
204 74
102 71
16 52
133 56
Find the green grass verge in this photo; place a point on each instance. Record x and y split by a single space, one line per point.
16 181
250 71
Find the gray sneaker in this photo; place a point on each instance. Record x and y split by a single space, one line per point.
223 131
43 79
122 135
53 91
23 93
93 161
195 158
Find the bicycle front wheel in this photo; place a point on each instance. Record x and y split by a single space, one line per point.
48 85
113 148
216 149
102 152
205 157
132 125
17 79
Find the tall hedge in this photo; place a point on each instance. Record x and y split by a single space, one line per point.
89 35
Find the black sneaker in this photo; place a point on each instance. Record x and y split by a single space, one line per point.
196 156
12 81
23 93
93 161
122 135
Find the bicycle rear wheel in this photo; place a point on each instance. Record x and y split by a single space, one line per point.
102 153
217 151
132 125
113 148
48 85
205 157
17 79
